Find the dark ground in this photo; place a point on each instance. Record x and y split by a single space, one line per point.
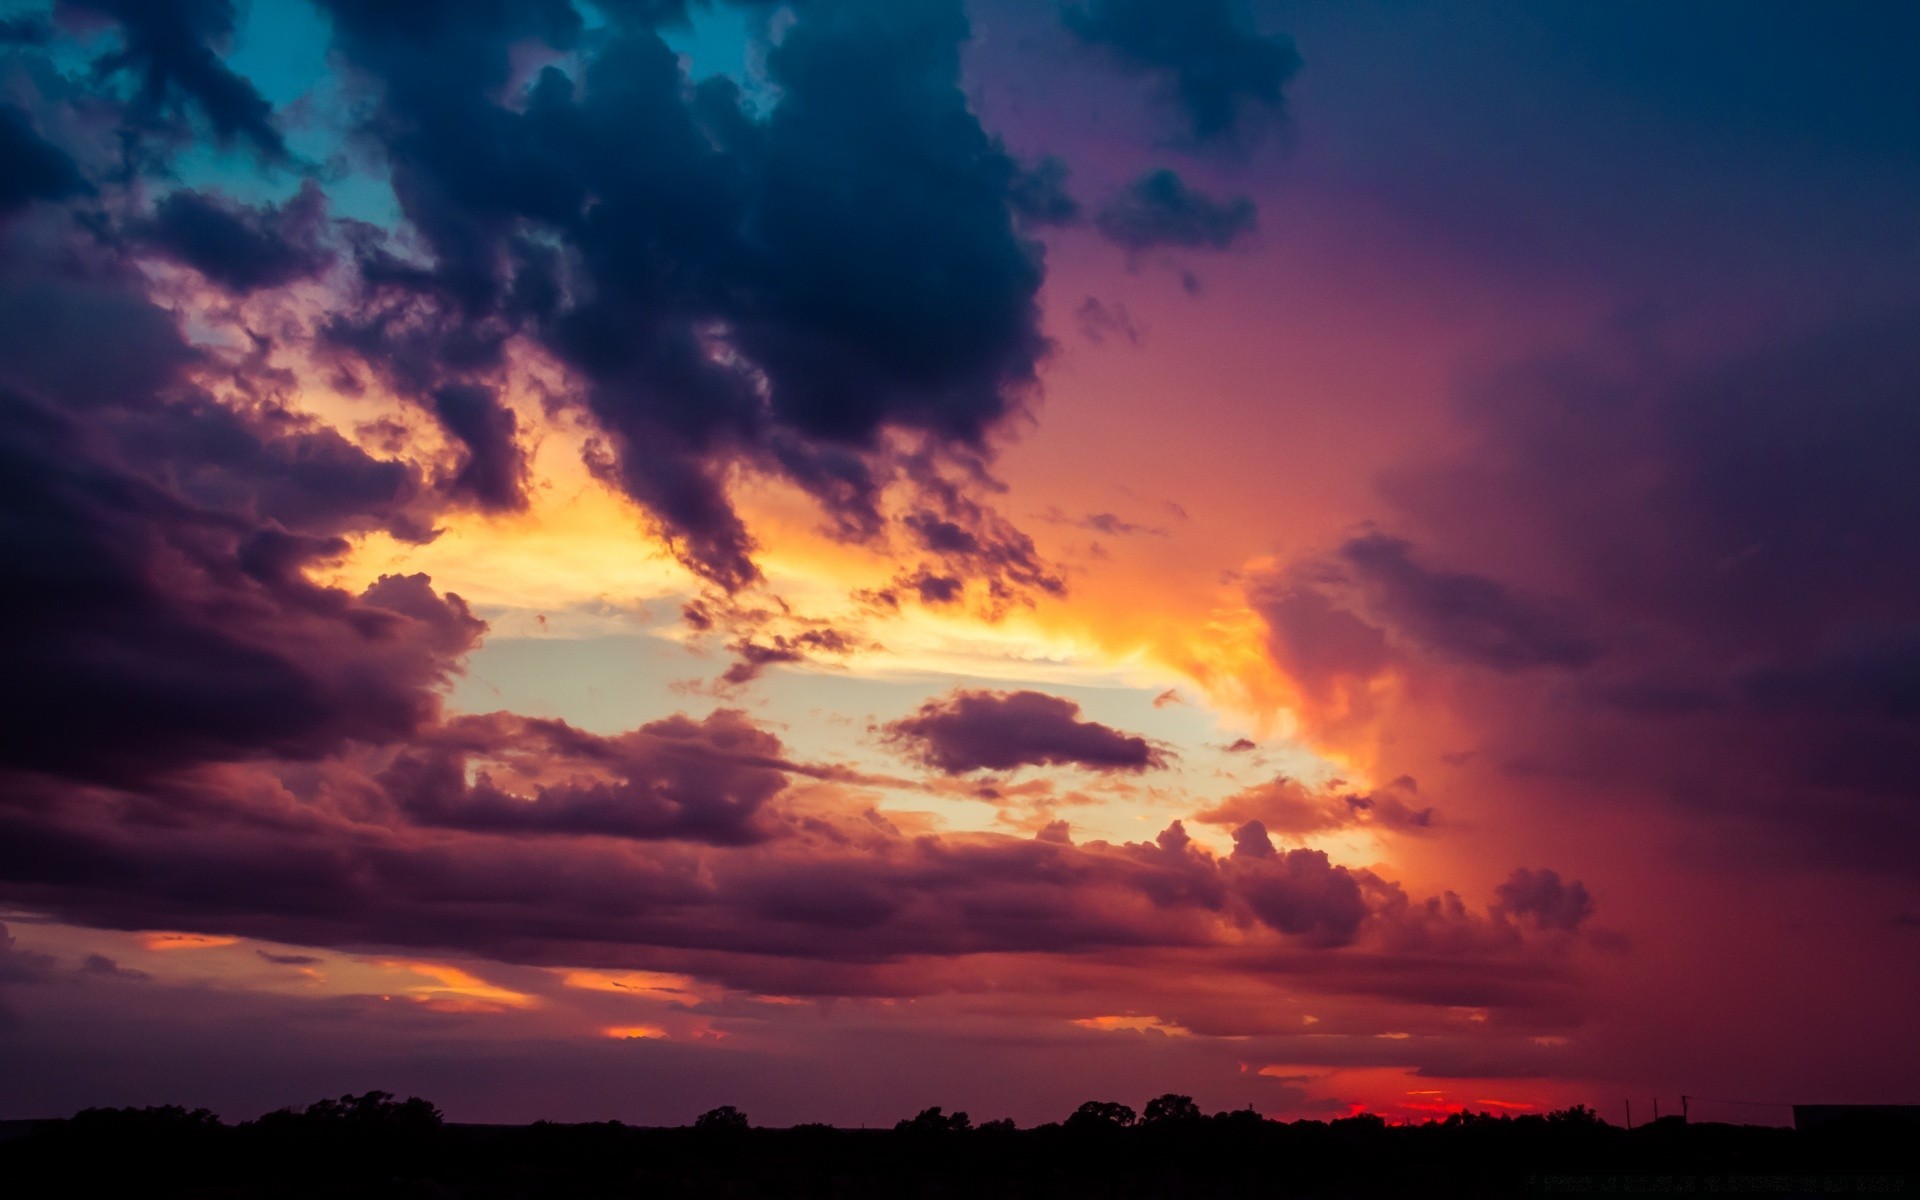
375 1147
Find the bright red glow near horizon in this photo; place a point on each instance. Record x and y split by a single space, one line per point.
850 557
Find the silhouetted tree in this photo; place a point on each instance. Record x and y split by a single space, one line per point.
725 1119
934 1121
1170 1108
370 1110
1100 1114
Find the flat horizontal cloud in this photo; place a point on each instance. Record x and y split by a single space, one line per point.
1290 808
702 781
1001 731
338 854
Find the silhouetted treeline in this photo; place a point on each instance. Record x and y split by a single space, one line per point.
376 1146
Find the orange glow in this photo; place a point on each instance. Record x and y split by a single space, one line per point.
456 991
1135 1024
634 1032
682 990
185 941
1384 1092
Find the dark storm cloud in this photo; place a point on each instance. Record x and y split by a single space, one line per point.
31 168
1214 64
170 48
1543 897
1313 637
1742 532
157 608
1371 606
150 631
999 731
787 292
494 472
1461 616
1160 210
327 855
1039 196
701 781
1296 891
242 248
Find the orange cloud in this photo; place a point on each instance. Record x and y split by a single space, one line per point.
184 941
455 990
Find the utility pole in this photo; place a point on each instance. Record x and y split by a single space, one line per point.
1656 1108
1629 1105
1683 1108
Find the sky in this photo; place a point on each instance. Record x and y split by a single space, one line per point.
596 560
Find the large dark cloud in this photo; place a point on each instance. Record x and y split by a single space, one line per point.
702 781
242 248
171 48
144 630
1544 897
1297 891
1461 616
387 847
1740 529
837 291
1159 210
999 731
1215 65
32 168
1339 620
789 292
158 610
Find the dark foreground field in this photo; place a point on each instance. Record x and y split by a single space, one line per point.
373 1146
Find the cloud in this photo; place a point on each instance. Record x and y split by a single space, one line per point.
21 966
1339 621
290 960
1214 64
1160 210
1039 196
154 628
676 778
1741 531
1542 897
1461 616
242 248
160 607
99 966
1000 731
1105 523
333 855
1875 673
31 168
1296 891
1290 808
494 472
1100 320
169 46
795 293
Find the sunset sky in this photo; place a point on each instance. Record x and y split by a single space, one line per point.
596 560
